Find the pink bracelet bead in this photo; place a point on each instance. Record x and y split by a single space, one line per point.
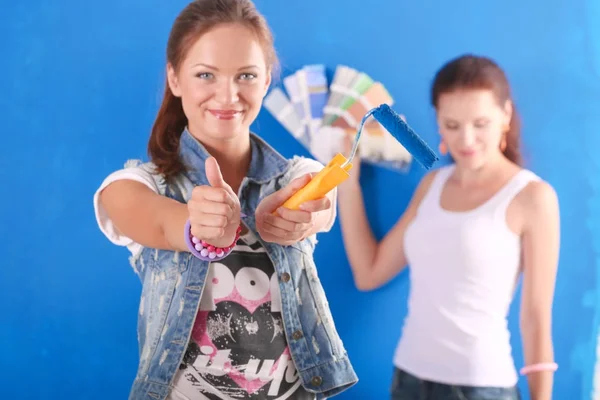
202 249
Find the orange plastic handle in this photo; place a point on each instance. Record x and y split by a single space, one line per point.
325 181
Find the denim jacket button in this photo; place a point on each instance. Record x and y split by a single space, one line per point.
317 381
285 277
297 335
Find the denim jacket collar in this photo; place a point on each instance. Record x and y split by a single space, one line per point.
265 163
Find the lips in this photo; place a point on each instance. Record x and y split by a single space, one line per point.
467 153
225 114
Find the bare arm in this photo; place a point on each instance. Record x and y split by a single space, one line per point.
541 242
144 216
374 264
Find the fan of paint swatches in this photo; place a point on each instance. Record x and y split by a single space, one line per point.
307 89
277 103
375 95
317 90
321 117
295 87
361 84
343 79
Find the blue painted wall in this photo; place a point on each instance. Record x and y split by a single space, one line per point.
80 83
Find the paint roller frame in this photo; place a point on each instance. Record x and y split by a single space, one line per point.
337 170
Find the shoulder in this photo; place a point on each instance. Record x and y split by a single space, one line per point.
138 171
539 193
430 176
538 200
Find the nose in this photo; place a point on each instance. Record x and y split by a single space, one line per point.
227 92
468 136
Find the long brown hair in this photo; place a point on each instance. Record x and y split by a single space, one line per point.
477 72
194 20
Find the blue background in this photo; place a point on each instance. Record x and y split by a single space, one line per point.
80 83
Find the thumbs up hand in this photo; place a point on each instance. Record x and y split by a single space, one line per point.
214 209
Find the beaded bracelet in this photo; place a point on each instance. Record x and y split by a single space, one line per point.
539 367
205 251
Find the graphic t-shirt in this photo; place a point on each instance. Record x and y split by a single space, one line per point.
238 348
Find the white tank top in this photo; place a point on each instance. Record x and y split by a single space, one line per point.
463 267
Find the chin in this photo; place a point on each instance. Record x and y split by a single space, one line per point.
472 163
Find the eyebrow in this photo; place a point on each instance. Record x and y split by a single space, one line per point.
216 69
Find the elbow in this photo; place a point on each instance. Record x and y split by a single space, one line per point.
537 325
366 276
365 283
365 288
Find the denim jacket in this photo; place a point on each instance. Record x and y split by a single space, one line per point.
173 283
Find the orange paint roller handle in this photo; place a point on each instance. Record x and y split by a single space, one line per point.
325 181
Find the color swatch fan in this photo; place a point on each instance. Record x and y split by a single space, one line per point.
321 116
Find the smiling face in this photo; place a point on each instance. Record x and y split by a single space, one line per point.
222 82
472 125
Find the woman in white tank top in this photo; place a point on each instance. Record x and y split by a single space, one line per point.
471 229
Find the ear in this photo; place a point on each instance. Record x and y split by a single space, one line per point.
173 81
508 110
268 82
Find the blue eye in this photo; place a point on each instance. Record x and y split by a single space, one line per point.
247 76
204 75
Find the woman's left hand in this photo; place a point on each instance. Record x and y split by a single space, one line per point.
286 226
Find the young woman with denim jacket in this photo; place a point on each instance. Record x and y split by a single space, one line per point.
254 324
471 230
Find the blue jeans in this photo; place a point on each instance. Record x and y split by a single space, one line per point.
408 387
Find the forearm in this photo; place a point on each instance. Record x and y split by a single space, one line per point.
360 243
145 217
172 224
538 348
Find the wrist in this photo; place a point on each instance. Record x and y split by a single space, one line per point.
204 250
171 227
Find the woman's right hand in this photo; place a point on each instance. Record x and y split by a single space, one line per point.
214 209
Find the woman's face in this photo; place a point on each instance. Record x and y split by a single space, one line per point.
222 82
472 124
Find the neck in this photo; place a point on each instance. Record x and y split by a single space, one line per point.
490 170
233 157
